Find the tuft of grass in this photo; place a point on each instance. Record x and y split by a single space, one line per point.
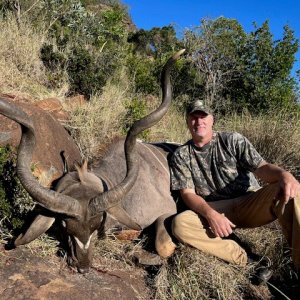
95 124
115 253
43 246
22 71
192 274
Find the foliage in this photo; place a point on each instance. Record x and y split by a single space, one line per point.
242 70
214 49
155 42
143 70
85 46
88 73
21 68
136 109
14 200
266 71
87 41
150 49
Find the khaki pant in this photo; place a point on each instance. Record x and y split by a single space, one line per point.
248 211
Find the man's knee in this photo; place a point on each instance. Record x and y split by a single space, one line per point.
182 222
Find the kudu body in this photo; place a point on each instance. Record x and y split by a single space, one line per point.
131 183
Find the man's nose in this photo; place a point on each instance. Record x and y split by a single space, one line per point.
198 121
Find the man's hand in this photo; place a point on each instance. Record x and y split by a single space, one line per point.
219 224
289 187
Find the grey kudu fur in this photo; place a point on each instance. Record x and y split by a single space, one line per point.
80 199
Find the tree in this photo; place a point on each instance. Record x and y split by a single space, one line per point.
214 48
266 81
150 49
241 70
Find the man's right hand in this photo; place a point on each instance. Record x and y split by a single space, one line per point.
219 224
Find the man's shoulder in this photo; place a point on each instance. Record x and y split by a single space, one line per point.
229 138
183 150
229 135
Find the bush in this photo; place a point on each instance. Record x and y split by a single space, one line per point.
14 200
21 67
90 45
136 109
142 70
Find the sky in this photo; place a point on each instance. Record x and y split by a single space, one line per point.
186 14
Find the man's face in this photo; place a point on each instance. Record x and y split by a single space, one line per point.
200 125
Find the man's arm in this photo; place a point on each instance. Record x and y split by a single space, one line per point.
289 186
219 224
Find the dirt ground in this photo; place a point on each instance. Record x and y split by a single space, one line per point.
26 275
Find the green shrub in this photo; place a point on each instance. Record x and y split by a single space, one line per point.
142 70
136 109
14 200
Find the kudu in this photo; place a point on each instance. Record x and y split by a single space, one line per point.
131 183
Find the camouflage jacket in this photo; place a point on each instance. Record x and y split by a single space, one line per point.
219 170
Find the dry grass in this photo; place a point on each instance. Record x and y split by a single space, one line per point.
102 119
191 274
171 128
22 71
276 136
99 121
116 254
44 246
194 275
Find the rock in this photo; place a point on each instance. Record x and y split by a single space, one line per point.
25 275
75 101
54 107
51 140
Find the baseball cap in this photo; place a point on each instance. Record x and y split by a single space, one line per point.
198 105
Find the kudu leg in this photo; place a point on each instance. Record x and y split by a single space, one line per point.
164 245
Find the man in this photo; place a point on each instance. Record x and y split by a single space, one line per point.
214 173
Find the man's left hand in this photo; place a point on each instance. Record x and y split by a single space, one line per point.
289 187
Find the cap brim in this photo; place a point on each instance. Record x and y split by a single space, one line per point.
199 109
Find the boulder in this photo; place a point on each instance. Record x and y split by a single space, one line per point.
51 140
54 107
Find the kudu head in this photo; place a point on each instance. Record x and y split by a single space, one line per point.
79 199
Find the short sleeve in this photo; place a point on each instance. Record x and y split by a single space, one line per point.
247 156
180 172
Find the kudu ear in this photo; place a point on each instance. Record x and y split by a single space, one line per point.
121 215
82 170
88 178
39 226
